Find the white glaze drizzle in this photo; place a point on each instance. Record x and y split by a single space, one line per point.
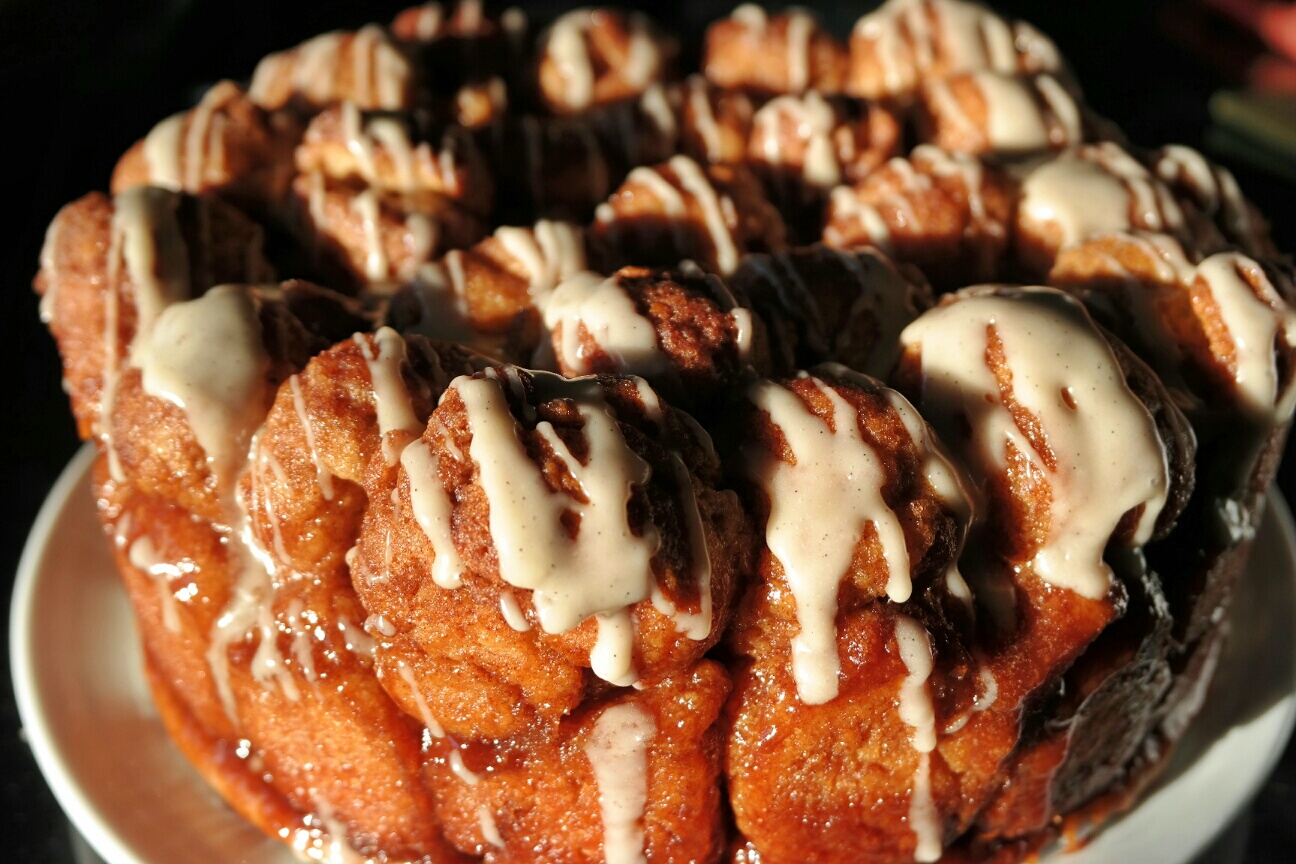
704 121
1104 456
432 510
605 569
217 377
490 831
457 767
143 556
365 206
694 181
1094 190
617 750
566 48
832 492
917 711
323 477
1254 325
550 252
800 27
589 305
512 612
420 701
392 402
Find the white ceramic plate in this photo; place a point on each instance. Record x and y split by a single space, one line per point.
98 740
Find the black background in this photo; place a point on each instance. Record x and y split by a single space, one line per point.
80 81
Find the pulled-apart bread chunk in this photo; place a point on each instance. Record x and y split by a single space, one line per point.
592 57
682 330
854 664
476 295
1082 193
904 43
364 67
544 540
225 144
947 213
1000 114
110 266
664 214
786 53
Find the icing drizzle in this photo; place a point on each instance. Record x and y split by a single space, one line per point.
831 491
1087 433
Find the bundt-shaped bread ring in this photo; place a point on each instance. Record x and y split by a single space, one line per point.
402 600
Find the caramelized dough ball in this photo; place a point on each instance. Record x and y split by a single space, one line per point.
666 213
999 114
1082 193
592 57
832 705
303 496
787 53
475 296
682 330
467 58
715 123
467 645
947 213
225 144
395 153
1210 193
366 237
1223 328
826 142
821 304
363 67
546 794
317 738
804 146
897 47
94 278
183 414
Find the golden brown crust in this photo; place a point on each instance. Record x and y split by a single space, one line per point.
704 343
88 291
543 793
786 53
508 680
662 215
594 57
226 144
947 213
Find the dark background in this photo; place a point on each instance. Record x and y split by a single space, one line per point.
81 80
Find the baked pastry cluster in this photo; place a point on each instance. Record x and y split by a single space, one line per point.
517 449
